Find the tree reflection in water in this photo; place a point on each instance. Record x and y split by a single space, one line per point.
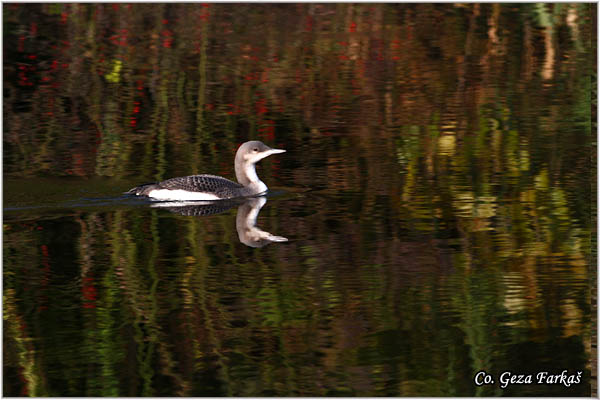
437 198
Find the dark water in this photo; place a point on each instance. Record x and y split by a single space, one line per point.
437 195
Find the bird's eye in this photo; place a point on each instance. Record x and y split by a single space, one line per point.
255 149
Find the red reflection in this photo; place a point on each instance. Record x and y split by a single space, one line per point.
204 16
168 38
89 292
267 131
260 106
308 26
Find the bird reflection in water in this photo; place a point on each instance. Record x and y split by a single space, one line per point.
245 220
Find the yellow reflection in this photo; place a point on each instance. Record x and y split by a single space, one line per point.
446 145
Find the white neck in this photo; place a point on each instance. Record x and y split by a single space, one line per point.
257 187
246 175
249 172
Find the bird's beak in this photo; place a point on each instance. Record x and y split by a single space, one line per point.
264 154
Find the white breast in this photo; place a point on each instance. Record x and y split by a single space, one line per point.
166 194
257 187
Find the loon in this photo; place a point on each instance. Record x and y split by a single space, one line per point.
212 187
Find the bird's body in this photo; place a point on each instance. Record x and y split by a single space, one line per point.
193 187
212 187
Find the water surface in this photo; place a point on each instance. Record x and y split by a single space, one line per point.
436 197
